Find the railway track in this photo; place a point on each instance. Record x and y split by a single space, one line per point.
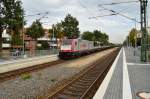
85 85
11 74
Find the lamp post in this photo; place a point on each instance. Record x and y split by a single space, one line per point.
144 41
23 45
135 34
53 38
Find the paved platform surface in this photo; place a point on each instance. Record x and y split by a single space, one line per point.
126 78
6 66
114 90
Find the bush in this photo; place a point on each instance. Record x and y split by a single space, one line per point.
44 45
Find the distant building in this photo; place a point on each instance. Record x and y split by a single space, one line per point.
30 44
6 38
139 36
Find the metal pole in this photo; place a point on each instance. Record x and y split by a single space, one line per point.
141 7
135 35
53 38
128 40
144 44
23 47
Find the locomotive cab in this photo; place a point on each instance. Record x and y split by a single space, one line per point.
69 48
66 45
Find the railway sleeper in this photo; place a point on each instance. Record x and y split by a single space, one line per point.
93 75
80 87
82 84
85 81
77 88
70 93
62 96
95 72
90 77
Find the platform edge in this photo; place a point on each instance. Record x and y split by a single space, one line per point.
103 87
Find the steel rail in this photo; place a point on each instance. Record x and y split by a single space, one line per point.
87 78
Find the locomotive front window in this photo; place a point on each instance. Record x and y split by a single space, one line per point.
67 42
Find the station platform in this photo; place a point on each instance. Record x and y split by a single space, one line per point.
128 78
7 66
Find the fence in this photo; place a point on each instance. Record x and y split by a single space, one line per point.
19 54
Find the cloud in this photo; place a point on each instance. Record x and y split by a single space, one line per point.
116 26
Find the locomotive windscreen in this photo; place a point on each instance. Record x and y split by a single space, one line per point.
67 42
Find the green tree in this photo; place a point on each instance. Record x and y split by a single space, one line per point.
44 45
105 38
57 32
132 36
88 36
96 36
70 27
11 17
101 37
35 30
2 23
16 40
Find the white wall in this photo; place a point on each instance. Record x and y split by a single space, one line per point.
6 36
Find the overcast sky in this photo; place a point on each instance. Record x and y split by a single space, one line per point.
117 27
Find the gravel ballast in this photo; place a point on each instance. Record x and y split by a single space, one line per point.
32 85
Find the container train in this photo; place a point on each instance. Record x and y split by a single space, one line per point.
72 48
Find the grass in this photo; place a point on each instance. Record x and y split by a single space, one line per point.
52 80
26 76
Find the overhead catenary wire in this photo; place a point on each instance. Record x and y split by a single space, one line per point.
88 10
37 14
116 3
101 16
107 9
109 14
105 15
115 13
119 13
